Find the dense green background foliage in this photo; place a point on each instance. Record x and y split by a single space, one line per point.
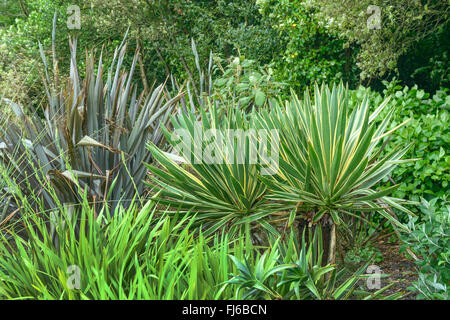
310 51
297 38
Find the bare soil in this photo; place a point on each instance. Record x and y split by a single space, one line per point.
402 271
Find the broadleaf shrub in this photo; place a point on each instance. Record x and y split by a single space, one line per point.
430 240
246 82
427 130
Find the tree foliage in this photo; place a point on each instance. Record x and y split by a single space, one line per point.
402 24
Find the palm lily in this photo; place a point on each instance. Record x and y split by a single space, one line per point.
329 160
222 193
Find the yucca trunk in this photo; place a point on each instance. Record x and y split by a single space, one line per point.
328 232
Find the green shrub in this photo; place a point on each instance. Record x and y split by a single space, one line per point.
430 241
358 255
310 51
398 30
238 81
243 81
428 132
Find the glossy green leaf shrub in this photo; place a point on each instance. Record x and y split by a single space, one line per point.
430 241
245 82
428 132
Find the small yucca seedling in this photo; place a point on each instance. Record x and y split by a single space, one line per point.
288 271
92 138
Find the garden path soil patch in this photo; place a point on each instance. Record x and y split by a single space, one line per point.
401 270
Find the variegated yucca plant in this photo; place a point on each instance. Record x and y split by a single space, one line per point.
330 160
226 192
92 138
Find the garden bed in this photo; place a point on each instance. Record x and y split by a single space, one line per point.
401 270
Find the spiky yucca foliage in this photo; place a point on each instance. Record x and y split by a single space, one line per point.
223 192
288 271
330 158
92 138
330 155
